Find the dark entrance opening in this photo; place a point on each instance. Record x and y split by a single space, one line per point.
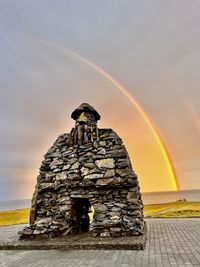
80 217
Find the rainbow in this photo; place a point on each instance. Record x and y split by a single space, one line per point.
125 92
194 116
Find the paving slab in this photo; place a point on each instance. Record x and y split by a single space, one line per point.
170 242
10 241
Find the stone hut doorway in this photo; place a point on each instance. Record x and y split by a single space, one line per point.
80 207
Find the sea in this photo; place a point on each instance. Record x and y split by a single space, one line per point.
171 196
15 204
148 198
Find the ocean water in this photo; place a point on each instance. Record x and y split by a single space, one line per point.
15 204
148 198
165 197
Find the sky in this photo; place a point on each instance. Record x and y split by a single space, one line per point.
151 48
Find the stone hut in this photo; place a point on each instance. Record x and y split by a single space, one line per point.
88 168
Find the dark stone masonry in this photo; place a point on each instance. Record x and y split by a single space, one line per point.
86 169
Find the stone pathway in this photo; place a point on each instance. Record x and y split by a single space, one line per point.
171 242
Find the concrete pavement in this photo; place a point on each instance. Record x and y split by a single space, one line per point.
171 242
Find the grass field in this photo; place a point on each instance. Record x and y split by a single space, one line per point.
174 209
167 210
11 217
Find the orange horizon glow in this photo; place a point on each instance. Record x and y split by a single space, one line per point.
149 122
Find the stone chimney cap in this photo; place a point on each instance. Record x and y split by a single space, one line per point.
82 108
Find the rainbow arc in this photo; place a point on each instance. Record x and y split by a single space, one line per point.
126 93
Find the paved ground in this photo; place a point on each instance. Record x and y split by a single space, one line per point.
10 241
171 242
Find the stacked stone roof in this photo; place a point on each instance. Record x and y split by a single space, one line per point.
88 163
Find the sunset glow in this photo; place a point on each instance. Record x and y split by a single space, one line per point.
136 63
164 153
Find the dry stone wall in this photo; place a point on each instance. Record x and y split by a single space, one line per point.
79 172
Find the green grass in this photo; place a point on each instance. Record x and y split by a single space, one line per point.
11 217
180 214
167 210
174 209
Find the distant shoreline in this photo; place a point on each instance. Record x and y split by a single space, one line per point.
15 204
171 196
148 198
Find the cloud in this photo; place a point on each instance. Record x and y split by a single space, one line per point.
152 48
